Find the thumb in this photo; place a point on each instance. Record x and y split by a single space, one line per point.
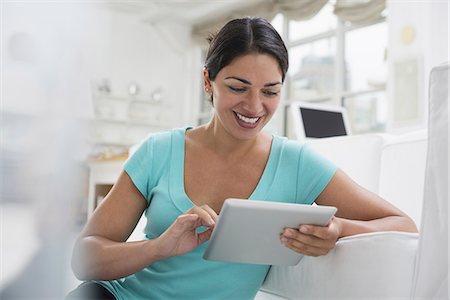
204 236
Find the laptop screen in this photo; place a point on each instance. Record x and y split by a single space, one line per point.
322 123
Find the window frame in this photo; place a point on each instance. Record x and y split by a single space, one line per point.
339 94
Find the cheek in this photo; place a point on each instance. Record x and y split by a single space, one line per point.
225 99
272 105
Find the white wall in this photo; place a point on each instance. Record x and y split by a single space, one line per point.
70 44
50 52
429 21
37 53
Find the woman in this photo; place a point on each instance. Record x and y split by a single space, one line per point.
181 178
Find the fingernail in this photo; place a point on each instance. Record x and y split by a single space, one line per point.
288 233
304 229
283 240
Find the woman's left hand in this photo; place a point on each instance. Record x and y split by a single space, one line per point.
311 240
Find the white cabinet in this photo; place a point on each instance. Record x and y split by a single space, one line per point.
121 122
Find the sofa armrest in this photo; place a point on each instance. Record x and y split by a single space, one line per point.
402 172
373 265
357 155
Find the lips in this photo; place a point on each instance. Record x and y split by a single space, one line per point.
245 121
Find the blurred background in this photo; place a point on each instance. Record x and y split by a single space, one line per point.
83 81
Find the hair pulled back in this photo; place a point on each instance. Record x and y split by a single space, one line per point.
245 36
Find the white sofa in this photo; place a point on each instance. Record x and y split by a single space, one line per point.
407 170
392 166
361 266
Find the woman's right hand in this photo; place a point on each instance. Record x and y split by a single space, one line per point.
181 237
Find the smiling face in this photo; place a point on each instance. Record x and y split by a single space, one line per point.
246 94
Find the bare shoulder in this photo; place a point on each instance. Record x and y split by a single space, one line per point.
194 136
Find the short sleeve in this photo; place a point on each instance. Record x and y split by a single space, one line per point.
315 172
138 167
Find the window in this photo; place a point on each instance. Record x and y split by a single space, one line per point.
324 21
365 56
311 71
366 75
339 63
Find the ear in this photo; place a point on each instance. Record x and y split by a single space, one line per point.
206 81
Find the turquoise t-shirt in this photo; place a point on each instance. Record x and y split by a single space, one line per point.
293 173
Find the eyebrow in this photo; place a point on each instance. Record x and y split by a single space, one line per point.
249 83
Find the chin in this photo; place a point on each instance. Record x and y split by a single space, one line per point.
247 133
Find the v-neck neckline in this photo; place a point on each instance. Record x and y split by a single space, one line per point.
177 189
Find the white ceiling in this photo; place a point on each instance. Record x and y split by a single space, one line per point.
188 11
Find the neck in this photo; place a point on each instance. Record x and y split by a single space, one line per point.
224 143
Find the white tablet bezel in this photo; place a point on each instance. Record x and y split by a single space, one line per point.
297 119
247 231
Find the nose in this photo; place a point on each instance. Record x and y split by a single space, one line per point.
253 103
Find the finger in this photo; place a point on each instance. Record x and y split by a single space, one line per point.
205 217
185 222
322 232
211 212
188 221
292 233
310 249
304 238
305 249
310 240
204 236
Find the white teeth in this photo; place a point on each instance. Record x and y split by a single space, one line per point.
247 120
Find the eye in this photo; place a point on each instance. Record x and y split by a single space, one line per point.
237 89
270 93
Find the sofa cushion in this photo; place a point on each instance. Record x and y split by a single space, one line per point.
402 172
375 265
392 166
357 155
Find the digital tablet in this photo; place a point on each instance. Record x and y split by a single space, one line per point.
248 231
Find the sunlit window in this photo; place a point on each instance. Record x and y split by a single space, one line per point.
367 112
365 57
277 23
324 21
339 63
312 69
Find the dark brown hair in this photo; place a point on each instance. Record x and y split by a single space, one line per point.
245 36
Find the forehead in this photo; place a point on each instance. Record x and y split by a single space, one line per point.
255 67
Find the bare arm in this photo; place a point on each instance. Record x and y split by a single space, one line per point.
359 211
102 253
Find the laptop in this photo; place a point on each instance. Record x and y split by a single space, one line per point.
312 120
